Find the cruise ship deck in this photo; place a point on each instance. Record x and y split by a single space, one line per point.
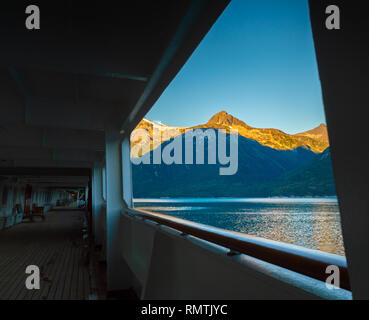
57 246
67 109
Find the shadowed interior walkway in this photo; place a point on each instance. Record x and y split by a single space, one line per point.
56 247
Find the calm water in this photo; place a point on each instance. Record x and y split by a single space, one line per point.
308 222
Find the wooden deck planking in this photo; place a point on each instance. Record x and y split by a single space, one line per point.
51 271
64 271
81 292
11 278
56 247
35 294
47 272
68 289
21 292
58 280
74 279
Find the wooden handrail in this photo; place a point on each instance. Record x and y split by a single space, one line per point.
309 262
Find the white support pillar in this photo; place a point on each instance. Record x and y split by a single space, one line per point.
97 203
119 276
104 183
86 198
127 172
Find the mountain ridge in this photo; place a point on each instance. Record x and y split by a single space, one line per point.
315 139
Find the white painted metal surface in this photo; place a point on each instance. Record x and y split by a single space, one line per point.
168 265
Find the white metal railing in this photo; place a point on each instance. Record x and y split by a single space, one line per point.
300 261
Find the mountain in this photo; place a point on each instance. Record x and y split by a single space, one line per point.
319 133
223 118
257 165
166 132
316 139
270 163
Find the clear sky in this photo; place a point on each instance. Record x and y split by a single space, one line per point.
257 63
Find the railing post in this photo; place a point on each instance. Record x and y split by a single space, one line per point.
119 276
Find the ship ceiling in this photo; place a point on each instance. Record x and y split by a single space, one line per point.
87 70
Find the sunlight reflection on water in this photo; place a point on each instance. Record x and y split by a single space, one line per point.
308 222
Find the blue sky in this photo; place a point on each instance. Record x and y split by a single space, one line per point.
257 63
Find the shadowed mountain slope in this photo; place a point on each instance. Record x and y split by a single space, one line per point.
257 165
